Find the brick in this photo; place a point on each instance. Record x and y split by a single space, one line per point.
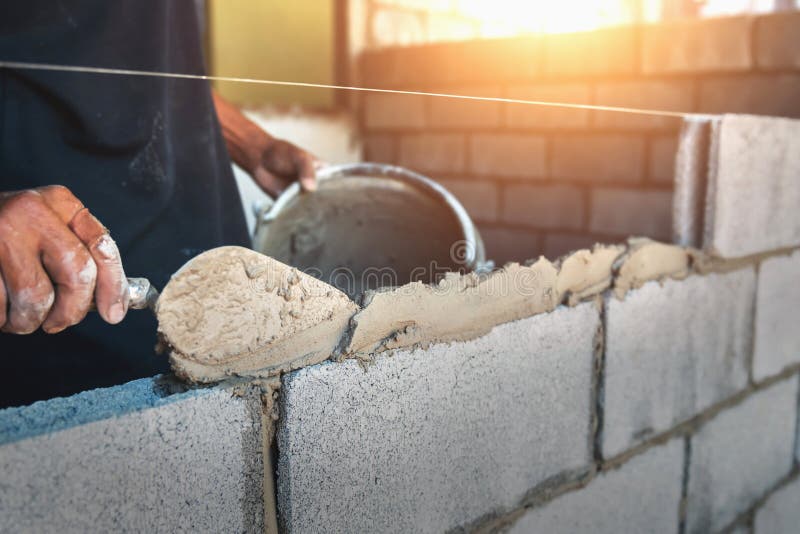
433 153
611 51
759 94
553 207
380 148
627 499
663 151
508 155
780 514
394 27
753 187
386 111
480 199
710 45
533 116
689 351
739 455
777 341
456 432
777 41
662 96
505 245
626 212
460 113
129 459
557 244
482 61
608 158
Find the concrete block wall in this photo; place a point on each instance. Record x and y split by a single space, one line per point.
606 175
641 387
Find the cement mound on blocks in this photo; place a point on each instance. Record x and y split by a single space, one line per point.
234 312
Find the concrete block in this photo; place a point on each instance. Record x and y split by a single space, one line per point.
757 94
535 117
626 212
753 190
661 162
461 113
130 459
506 244
691 180
781 513
660 95
598 158
388 111
739 455
558 206
380 148
433 153
777 338
673 350
607 51
641 496
719 44
509 155
455 431
777 41
480 198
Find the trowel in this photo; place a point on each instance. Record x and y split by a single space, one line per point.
141 295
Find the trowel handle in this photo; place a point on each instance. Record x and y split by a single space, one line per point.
141 294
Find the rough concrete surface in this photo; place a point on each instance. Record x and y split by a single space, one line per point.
191 462
426 441
739 455
673 350
641 496
777 341
781 513
691 180
234 312
586 272
753 190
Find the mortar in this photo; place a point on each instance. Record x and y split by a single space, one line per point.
370 225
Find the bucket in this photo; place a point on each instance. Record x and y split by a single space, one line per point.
370 225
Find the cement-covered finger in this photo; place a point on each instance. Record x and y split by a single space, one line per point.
28 290
73 273
111 288
306 166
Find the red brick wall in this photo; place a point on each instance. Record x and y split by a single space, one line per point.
542 180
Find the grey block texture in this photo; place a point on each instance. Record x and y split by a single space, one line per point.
129 459
753 190
780 514
673 350
738 456
456 431
777 341
643 495
691 173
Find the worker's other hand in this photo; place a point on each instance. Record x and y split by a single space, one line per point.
273 163
55 258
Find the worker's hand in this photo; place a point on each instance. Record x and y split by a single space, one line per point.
273 163
55 257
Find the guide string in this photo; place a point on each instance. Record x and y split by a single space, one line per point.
129 72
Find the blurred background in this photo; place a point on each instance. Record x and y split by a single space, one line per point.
537 180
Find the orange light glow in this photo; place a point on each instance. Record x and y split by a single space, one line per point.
504 17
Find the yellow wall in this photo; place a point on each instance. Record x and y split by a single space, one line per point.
289 40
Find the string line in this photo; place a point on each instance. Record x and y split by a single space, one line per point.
129 72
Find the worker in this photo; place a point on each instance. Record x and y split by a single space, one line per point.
107 175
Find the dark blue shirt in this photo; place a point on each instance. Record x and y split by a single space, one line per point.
144 154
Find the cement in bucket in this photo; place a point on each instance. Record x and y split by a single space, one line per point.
368 226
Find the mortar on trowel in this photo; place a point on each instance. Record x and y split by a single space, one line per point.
234 312
370 225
